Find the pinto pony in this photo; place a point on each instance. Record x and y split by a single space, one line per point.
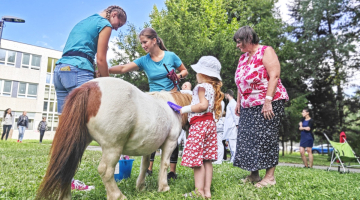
123 120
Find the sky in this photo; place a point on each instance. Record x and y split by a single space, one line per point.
48 22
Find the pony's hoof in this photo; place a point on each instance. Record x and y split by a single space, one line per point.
164 189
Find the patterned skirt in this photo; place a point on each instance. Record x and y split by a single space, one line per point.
201 144
257 144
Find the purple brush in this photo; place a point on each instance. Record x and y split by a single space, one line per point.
175 107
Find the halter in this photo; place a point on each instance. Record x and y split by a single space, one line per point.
173 77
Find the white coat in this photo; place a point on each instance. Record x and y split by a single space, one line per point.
231 120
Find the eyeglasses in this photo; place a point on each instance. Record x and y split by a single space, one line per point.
239 41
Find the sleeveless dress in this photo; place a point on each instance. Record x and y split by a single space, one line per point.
306 139
257 140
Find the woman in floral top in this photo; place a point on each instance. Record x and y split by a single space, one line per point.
260 105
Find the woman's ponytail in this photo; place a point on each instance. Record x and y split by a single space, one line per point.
161 44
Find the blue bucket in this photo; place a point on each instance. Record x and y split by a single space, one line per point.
123 169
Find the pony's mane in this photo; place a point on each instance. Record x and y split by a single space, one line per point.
180 99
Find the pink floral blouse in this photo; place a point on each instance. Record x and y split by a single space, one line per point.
252 80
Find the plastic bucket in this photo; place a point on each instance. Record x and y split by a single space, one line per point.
123 169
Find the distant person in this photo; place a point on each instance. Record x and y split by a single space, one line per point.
42 127
22 124
8 120
89 38
260 105
231 123
186 88
307 137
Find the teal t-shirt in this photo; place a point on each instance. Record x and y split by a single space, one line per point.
84 37
156 72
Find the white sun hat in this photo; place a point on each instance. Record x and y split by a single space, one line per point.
209 66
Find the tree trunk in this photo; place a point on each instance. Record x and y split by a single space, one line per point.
282 144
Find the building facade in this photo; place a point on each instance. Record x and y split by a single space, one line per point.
26 84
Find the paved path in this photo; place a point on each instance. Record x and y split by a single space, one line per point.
97 148
354 170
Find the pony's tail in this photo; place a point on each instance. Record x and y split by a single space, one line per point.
71 138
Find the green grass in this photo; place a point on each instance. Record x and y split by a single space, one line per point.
22 166
93 143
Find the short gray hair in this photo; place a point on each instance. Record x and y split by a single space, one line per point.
247 35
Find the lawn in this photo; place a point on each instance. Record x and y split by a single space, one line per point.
23 165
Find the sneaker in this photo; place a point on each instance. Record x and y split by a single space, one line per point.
149 172
18 140
171 175
217 163
78 185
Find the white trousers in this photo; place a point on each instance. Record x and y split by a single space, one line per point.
182 137
220 147
232 145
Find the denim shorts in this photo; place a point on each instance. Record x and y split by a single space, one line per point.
66 81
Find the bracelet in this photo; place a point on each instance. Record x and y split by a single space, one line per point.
269 97
186 109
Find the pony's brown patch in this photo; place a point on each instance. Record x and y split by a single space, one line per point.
94 100
70 141
182 100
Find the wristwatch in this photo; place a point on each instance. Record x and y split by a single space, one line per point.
181 76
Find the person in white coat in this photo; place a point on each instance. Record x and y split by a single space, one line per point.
231 123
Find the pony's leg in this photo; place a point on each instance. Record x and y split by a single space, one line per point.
167 149
106 169
140 183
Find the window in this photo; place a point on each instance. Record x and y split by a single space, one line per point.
45 106
7 57
27 90
31 61
5 88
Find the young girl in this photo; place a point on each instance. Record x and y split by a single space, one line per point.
201 146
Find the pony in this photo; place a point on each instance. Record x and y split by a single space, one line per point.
123 120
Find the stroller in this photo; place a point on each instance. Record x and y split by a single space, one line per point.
344 153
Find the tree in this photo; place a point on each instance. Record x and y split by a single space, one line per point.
194 28
326 34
